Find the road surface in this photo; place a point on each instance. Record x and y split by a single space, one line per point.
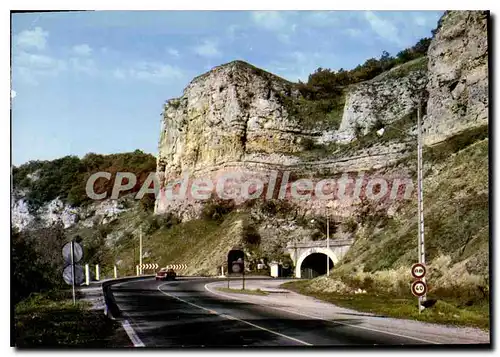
191 312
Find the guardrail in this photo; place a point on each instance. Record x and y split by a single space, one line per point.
110 307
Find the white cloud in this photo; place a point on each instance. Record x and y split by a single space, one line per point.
298 65
13 93
173 52
154 72
270 20
84 65
119 74
32 39
322 18
209 48
30 66
82 50
353 32
384 28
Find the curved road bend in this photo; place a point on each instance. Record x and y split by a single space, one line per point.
183 313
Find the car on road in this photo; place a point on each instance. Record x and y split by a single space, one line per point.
166 274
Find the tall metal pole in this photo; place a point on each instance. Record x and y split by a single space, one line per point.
140 251
73 270
420 196
327 241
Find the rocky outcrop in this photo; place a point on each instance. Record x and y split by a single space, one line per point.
384 99
58 212
232 110
458 75
237 118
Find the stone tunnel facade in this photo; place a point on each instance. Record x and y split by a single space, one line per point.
300 251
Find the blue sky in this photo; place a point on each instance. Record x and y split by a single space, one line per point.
96 81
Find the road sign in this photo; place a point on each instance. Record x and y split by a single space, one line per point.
418 270
68 276
148 266
236 267
418 288
177 266
78 252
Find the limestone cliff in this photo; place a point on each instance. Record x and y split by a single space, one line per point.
458 75
238 117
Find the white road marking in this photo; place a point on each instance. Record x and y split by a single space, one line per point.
131 334
229 317
319 318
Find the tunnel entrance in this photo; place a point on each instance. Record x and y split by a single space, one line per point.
314 265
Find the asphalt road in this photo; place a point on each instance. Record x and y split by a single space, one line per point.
183 313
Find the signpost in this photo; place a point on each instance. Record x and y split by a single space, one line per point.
72 253
418 271
147 266
236 264
419 287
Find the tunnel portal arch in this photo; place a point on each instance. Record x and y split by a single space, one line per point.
310 257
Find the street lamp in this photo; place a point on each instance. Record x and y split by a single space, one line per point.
420 196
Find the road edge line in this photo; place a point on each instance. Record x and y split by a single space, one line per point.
132 334
319 318
229 317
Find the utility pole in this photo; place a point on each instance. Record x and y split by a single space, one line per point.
421 246
327 240
140 251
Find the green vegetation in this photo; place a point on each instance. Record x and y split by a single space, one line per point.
245 291
402 306
66 177
51 320
325 81
454 144
406 68
456 216
324 113
397 131
36 261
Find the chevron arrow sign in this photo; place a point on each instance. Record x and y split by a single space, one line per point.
177 266
148 266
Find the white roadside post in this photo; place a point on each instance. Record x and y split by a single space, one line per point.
140 251
115 272
97 272
87 275
137 270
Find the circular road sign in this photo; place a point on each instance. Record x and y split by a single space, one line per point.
68 276
236 268
78 252
418 288
418 270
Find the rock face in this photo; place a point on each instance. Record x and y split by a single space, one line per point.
458 75
224 114
385 99
57 212
238 118
235 119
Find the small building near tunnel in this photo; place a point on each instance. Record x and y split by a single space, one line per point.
310 258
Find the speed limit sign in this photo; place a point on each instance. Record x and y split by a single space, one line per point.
418 270
418 288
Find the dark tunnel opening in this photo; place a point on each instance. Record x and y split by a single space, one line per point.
314 265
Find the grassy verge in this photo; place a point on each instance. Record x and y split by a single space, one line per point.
444 312
51 320
246 291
